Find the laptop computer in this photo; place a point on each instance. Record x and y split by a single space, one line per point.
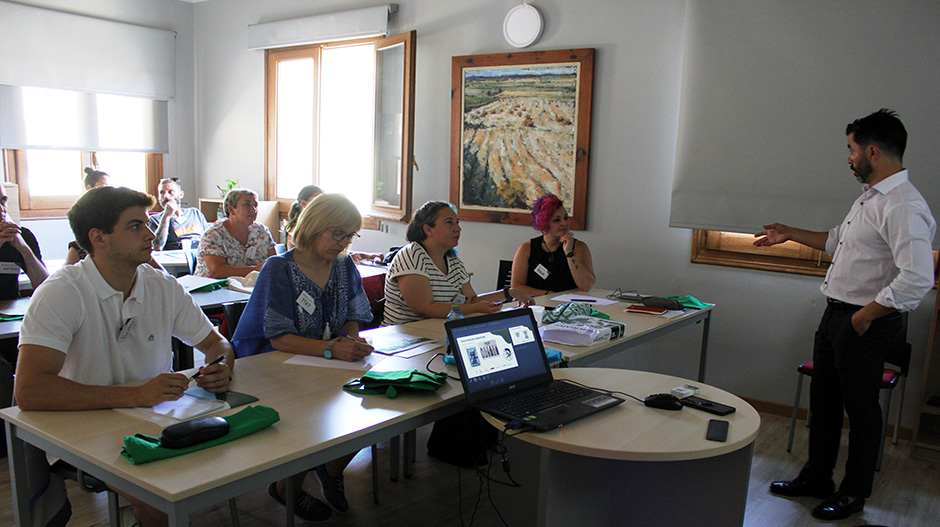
504 372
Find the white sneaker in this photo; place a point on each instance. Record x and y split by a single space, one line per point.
127 517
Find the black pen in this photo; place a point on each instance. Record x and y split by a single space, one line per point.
216 361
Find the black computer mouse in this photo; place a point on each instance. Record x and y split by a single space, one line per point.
663 401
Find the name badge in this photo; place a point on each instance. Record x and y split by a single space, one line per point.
541 271
251 252
126 329
306 302
9 268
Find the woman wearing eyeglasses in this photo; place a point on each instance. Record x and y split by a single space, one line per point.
309 301
238 244
426 278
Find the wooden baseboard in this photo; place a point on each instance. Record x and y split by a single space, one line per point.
787 411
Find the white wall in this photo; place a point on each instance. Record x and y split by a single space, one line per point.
764 322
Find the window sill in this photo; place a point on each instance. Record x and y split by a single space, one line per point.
764 263
44 214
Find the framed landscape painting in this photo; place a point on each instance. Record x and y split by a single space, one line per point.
520 127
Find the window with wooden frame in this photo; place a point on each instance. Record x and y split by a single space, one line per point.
341 116
50 181
733 249
737 250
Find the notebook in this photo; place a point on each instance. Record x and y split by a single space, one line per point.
504 372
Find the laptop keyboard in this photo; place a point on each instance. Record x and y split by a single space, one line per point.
533 402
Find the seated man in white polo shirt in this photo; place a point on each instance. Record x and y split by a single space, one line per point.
109 320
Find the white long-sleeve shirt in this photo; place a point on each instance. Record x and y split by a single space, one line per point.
882 249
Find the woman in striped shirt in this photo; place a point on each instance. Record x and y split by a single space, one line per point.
426 278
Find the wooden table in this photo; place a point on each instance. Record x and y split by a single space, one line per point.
640 329
319 422
631 464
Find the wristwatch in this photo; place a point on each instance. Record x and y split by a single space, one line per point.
506 292
569 255
328 352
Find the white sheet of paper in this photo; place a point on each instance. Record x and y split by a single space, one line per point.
593 300
172 412
363 365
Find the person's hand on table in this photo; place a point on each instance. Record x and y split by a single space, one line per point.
214 378
162 388
350 349
524 299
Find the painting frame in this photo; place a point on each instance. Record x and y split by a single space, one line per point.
570 164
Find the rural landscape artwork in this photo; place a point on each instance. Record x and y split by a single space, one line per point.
521 128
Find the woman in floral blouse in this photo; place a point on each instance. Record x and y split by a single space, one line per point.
236 245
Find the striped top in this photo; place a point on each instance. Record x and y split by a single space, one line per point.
413 259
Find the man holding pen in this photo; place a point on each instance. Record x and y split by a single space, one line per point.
108 320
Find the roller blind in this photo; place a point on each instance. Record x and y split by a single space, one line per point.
767 89
55 49
33 117
332 27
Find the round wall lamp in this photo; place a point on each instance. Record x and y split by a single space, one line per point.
522 26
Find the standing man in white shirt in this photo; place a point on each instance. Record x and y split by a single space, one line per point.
175 223
882 264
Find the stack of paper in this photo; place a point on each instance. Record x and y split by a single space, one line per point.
194 403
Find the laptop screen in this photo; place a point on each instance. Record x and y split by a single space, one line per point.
499 353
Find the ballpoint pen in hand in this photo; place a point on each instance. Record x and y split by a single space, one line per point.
217 360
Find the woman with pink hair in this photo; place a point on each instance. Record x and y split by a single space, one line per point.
554 261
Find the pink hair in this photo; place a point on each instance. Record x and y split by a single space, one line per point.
543 209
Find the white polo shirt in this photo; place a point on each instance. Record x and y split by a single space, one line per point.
106 339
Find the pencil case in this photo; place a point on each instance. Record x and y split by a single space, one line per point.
193 432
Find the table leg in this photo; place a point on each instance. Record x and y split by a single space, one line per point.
706 324
289 493
408 455
393 457
16 452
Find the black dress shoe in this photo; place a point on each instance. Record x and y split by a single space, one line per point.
838 507
801 487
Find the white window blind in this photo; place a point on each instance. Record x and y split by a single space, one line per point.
55 49
33 118
767 89
332 27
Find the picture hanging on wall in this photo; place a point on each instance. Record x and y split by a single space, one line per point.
520 127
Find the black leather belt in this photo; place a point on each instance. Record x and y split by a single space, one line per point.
838 304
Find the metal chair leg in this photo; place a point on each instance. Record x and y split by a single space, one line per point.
897 419
885 410
796 410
